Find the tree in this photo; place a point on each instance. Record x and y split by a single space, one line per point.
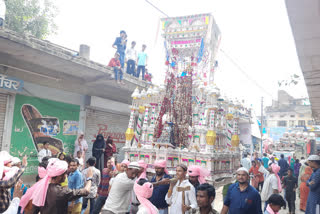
294 79
35 17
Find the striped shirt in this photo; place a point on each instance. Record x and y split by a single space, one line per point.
5 186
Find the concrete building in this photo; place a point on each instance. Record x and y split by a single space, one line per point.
48 93
304 17
287 113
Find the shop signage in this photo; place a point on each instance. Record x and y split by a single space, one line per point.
10 83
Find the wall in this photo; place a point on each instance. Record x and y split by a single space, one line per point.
29 130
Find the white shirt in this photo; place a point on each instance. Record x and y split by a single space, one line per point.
131 54
2 9
44 153
175 201
144 210
120 194
270 184
246 163
82 147
13 208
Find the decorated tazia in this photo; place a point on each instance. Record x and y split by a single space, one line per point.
187 120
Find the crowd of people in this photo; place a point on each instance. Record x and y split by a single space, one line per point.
136 62
272 175
65 184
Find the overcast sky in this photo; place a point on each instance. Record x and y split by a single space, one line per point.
255 34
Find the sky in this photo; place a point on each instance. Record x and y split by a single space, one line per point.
257 47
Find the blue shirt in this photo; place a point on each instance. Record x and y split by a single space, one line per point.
120 47
159 193
314 194
245 202
284 166
142 56
265 161
75 181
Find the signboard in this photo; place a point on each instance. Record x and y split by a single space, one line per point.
276 132
10 83
36 121
70 127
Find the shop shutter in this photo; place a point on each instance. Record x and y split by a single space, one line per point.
106 123
3 109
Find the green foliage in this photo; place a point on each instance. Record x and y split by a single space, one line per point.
35 17
294 79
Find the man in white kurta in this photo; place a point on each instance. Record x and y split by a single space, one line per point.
174 197
120 194
45 152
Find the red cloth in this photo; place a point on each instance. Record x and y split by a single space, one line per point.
103 189
114 62
256 173
109 152
304 189
147 77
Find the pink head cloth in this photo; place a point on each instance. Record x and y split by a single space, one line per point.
38 192
143 193
5 158
198 171
42 172
275 170
143 165
126 162
270 211
161 164
10 172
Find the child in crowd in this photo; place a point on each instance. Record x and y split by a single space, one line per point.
275 202
115 64
290 184
80 159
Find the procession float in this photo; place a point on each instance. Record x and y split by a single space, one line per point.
294 142
186 120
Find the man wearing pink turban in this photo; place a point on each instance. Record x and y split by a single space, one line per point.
161 185
5 185
142 174
47 196
124 165
197 175
143 166
272 183
143 190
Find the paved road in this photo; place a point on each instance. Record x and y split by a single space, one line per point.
218 203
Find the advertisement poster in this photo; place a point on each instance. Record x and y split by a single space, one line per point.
36 121
70 127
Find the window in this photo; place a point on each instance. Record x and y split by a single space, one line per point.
282 115
310 122
291 123
282 123
301 123
292 115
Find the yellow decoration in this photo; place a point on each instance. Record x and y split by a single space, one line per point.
235 140
129 134
229 116
142 109
207 20
211 137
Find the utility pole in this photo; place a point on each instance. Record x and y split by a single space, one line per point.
261 149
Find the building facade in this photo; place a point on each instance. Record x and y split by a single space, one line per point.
49 93
287 113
